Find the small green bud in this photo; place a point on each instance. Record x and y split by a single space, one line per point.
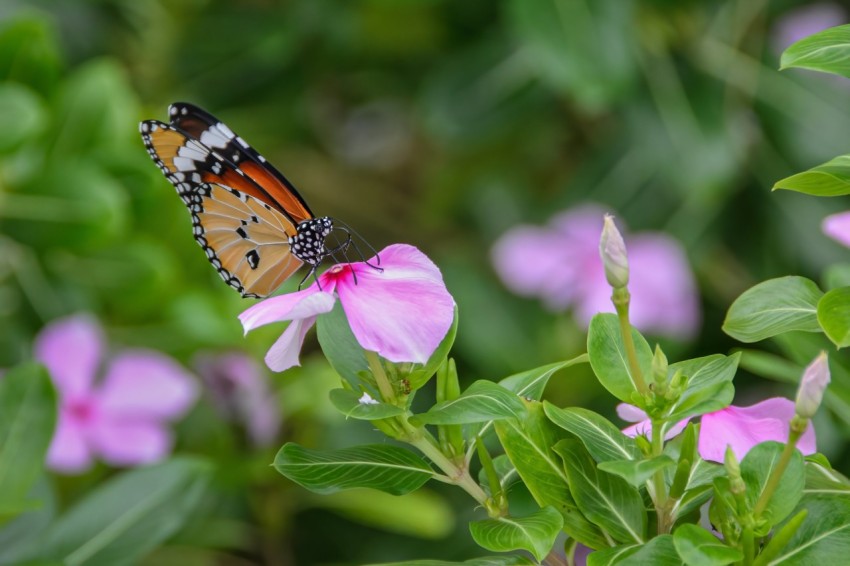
613 252
733 470
643 444
659 371
812 385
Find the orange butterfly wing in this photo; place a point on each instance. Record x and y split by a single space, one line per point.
214 134
243 232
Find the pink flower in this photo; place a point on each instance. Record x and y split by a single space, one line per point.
121 418
643 426
744 427
837 227
560 263
402 311
240 391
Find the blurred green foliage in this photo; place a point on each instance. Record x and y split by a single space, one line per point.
431 122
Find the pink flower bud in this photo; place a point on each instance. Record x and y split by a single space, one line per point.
613 252
812 385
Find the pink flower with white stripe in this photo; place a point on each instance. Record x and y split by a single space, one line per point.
402 311
122 418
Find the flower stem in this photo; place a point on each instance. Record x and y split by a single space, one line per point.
796 430
661 507
459 476
621 298
384 385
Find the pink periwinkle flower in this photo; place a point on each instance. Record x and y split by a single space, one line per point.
122 418
837 227
739 427
240 391
560 264
402 311
744 427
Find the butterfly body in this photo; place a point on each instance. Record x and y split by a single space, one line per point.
252 224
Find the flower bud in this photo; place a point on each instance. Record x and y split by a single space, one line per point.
733 471
613 252
812 385
659 370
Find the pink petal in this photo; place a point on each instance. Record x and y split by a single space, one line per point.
289 306
665 299
130 443
630 413
645 428
837 227
285 351
527 258
68 452
744 427
71 349
148 385
402 312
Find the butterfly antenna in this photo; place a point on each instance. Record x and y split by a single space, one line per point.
349 230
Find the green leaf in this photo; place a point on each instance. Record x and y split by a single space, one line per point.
348 403
827 51
773 307
756 468
822 479
527 442
482 401
830 179
823 537
660 551
605 499
636 472
530 384
379 466
128 516
423 514
709 387
603 440
698 547
535 533
22 536
27 419
340 346
608 355
834 316
420 374
22 114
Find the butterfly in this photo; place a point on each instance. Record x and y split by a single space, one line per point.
254 227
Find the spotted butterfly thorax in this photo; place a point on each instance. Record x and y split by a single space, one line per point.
254 227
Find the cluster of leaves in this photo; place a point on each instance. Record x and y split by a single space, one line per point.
629 499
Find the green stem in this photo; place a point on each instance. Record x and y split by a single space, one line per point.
661 507
621 299
459 476
749 546
496 493
384 385
797 428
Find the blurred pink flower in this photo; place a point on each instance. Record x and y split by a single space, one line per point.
804 21
744 427
560 263
121 418
402 312
643 426
240 391
837 227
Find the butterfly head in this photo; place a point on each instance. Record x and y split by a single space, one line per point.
308 244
